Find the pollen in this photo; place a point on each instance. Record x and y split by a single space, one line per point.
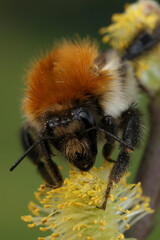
32 225
90 238
47 206
27 218
43 229
123 199
44 220
73 212
127 226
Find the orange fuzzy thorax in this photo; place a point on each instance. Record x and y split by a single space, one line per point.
65 74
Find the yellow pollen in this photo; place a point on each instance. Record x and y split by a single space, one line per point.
74 228
47 206
128 212
43 229
79 234
103 223
27 218
49 196
53 225
100 169
42 188
94 168
127 226
84 226
123 199
70 218
31 206
32 225
102 229
111 197
44 201
120 209
136 207
37 196
41 238
63 219
44 220
54 235
120 237
95 221
90 238
60 206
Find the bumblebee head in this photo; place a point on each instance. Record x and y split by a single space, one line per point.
72 139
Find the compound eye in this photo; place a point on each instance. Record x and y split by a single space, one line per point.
87 117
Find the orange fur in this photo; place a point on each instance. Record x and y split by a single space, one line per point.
65 74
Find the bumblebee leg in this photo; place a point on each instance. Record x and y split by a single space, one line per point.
131 125
50 166
109 125
35 155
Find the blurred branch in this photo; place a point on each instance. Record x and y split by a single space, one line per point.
149 171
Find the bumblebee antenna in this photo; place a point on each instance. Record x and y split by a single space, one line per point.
28 151
110 134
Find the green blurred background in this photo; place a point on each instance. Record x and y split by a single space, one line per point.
28 29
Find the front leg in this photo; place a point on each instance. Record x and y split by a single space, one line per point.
50 166
130 123
48 169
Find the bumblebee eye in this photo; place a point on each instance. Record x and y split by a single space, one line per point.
87 117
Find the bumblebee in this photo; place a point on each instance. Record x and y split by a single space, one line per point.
76 97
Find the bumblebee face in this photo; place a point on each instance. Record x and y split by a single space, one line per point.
70 136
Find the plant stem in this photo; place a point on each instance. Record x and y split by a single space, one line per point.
149 171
